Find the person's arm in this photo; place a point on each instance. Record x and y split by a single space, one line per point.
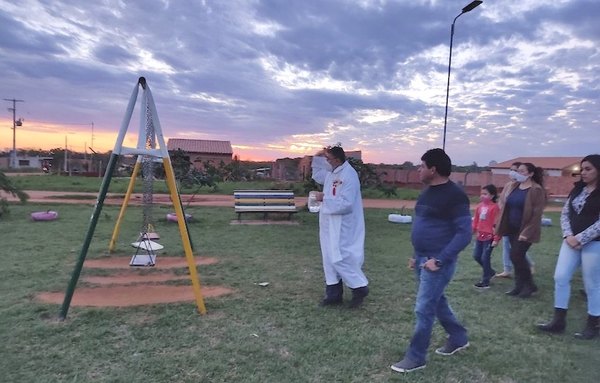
495 211
538 201
475 219
565 223
461 220
589 234
320 168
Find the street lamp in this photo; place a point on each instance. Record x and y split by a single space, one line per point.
466 9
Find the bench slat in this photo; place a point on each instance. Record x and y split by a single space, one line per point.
264 201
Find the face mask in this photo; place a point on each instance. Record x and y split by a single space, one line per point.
511 175
520 177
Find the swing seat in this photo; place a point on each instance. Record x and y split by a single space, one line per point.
143 260
147 245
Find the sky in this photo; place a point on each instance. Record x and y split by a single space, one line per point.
283 78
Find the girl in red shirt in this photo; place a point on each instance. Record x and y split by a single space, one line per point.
483 227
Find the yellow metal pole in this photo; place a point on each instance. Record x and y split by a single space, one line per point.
189 256
115 234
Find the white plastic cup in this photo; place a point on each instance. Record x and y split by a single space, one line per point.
313 205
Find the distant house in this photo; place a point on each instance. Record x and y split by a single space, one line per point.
559 172
24 161
297 169
201 151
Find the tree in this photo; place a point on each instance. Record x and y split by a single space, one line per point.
7 186
366 173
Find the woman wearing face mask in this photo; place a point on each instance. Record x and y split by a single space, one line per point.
580 223
521 220
506 263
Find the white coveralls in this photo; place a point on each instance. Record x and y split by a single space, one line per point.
341 223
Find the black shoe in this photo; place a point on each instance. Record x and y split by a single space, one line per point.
482 285
331 302
333 295
514 292
407 365
557 324
592 328
528 291
358 296
450 349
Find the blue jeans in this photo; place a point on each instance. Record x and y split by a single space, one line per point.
431 304
482 253
506 262
569 260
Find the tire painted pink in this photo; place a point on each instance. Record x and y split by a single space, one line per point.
48 215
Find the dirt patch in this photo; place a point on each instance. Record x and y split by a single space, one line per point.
161 263
136 295
129 279
136 286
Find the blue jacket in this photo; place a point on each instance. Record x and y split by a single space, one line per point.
442 225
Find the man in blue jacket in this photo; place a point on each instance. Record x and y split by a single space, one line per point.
441 230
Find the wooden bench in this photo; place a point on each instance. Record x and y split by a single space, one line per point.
264 201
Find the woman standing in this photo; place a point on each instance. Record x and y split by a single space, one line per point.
506 263
580 223
521 220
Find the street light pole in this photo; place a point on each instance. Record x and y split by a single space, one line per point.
466 9
13 157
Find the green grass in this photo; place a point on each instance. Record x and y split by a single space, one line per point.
267 334
53 182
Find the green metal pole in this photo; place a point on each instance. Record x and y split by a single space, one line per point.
88 238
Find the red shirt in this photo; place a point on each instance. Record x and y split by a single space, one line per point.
484 220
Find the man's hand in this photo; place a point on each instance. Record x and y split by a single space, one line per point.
430 265
319 196
411 263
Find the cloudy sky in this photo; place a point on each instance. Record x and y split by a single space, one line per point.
282 78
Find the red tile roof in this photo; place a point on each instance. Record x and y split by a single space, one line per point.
546 163
200 146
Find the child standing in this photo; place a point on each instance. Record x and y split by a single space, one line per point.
483 227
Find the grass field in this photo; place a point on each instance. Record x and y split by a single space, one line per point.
119 185
267 334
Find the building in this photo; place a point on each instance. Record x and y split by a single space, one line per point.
297 169
559 172
559 175
201 151
26 162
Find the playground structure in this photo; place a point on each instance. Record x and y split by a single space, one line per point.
150 134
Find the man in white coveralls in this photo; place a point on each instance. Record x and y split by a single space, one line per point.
341 226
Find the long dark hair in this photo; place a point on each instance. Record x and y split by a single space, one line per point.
593 159
491 188
538 173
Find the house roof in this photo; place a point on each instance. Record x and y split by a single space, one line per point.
546 163
200 146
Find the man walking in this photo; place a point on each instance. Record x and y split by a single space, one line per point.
440 231
341 226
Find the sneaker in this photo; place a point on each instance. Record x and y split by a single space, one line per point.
504 274
450 349
482 285
407 365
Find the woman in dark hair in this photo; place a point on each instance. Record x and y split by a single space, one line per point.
521 220
580 223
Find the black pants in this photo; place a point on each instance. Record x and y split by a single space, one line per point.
518 250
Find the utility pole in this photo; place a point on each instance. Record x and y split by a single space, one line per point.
13 157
